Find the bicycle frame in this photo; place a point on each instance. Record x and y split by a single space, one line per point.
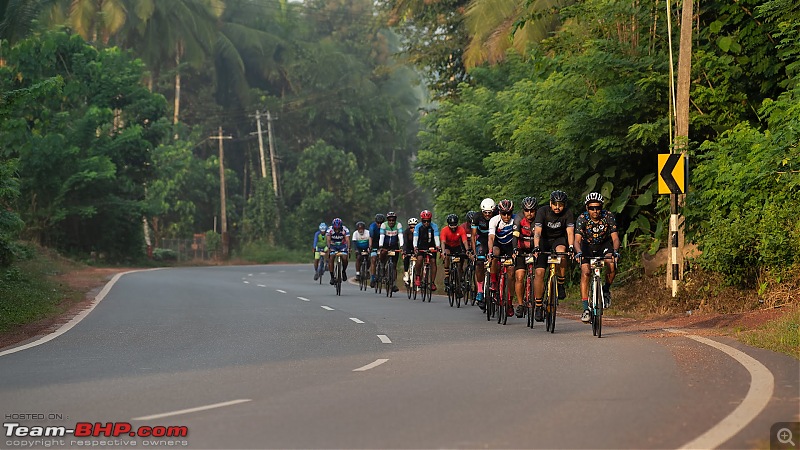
551 289
530 275
337 271
455 293
596 300
390 274
425 281
503 292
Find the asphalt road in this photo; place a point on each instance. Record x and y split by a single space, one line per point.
262 357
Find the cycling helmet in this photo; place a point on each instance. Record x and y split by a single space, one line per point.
471 216
413 221
558 196
323 227
337 223
505 206
487 204
529 203
391 215
380 218
425 215
452 220
593 197
360 224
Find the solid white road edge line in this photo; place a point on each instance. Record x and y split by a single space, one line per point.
327 307
356 320
191 410
384 338
304 299
281 291
371 365
762 384
67 326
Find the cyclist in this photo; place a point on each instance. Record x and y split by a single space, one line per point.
408 248
391 238
501 242
374 234
554 230
480 242
596 236
320 246
467 226
426 238
360 243
454 240
523 243
338 241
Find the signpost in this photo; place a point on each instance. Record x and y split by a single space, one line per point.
673 179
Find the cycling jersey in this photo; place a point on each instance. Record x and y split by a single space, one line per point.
391 237
408 240
426 237
480 226
523 233
338 237
553 225
374 232
361 240
319 241
595 233
467 226
453 239
501 230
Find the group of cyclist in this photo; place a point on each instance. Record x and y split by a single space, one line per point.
494 232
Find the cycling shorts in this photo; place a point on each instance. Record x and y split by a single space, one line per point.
519 262
596 250
551 245
338 248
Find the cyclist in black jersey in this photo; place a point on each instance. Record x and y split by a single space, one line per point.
595 236
480 242
554 230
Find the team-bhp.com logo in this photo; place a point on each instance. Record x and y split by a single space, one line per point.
97 429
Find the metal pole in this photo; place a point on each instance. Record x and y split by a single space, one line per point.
673 234
223 206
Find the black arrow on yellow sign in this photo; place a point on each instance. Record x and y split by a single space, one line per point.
671 174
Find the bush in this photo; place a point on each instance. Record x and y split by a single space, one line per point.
164 254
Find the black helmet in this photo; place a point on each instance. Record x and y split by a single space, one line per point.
558 196
380 218
471 216
505 206
529 203
452 219
360 224
391 215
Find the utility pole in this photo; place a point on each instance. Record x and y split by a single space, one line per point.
223 213
261 145
272 155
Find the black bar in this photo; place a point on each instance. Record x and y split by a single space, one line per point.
674 238
675 272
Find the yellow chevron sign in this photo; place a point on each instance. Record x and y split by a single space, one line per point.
672 174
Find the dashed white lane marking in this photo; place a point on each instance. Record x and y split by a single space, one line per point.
263 273
762 384
191 410
260 285
246 282
356 320
281 291
249 274
371 365
384 338
327 307
281 271
304 299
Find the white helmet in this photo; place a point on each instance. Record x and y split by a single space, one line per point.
487 204
413 221
593 197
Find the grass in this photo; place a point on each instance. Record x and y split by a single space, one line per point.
263 253
28 292
780 335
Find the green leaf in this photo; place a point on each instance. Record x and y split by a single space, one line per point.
647 179
621 200
645 199
715 26
591 182
607 188
724 43
609 173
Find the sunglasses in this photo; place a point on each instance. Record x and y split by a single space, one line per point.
594 208
426 221
529 210
505 213
557 204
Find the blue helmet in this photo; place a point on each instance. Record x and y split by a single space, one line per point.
337 223
323 227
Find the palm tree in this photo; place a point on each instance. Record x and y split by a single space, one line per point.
497 25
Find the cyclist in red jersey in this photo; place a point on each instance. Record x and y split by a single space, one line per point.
523 245
453 240
467 226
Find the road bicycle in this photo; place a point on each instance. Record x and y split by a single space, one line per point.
503 292
411 291
338 271
597 302
363 279
380 270
454 281
322 267
489 299
551 289
390 274
530 275
469 289
425 276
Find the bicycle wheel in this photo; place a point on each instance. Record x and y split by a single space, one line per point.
410 284
455 285
390 279
469 292
450 288
505 297
379 268
548 319
338 275
599 314
528 296
553 304
321 268
592 307
427 293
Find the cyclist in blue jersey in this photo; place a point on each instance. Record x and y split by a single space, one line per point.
391 238
338 241
320 245
501 241
360 243
426 238
374 235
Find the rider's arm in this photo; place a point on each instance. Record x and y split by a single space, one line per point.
383 234
436 234
316 240
515 231
400 237
416 235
